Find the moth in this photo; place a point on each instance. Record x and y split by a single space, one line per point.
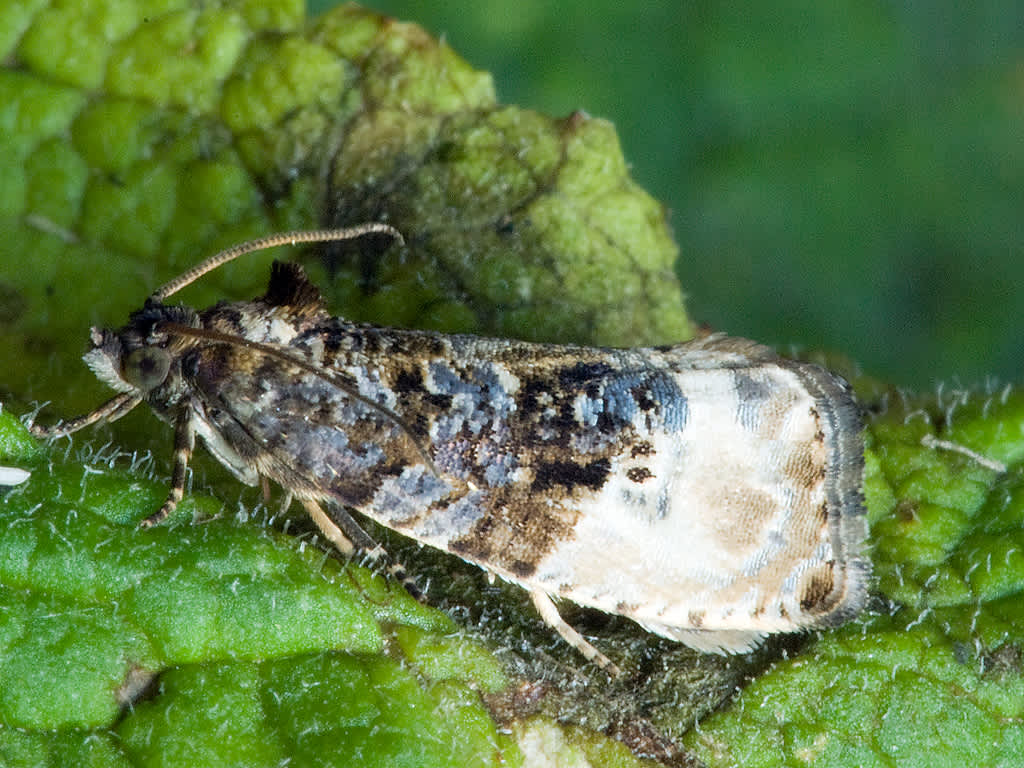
710 491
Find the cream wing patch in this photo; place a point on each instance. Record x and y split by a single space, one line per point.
727 537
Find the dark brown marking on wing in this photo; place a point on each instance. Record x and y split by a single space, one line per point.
642 448
570 474
817 593
805 463
580 375
823 513
644 401
517 533
639 474
408 380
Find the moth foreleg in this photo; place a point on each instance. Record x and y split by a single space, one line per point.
348 536
549 612
112 410
184 444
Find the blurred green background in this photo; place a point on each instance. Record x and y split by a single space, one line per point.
843 175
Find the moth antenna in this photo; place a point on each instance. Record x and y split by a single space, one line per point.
271 241
328 376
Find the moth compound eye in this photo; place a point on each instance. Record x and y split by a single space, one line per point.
146 367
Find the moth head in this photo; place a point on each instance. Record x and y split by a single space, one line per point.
126 367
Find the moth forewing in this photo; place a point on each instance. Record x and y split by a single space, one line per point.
710 491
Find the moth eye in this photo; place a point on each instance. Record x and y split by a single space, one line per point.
146 367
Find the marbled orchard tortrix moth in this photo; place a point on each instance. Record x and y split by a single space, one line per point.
710 490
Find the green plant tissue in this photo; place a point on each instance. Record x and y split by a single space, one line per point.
138 138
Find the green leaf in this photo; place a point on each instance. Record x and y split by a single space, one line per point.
327 709
170 130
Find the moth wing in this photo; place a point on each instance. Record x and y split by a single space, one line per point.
298 425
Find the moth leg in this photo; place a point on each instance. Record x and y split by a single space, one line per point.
286 502
549 612
348 536
112 410
184 444
331 531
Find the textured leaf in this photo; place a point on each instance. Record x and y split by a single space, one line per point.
139 138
